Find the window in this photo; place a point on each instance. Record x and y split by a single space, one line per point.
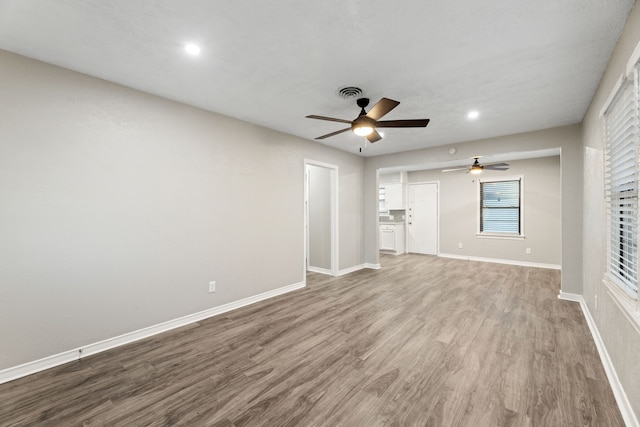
500 207
621 127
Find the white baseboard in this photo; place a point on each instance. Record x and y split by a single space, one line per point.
565 296
319 270
29 368
626 410
357 268
351 269
454 256
390 252
344 270
502 261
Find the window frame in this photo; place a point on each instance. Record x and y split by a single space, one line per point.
626 299
497 235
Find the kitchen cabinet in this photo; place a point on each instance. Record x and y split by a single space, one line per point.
394 196
392 238
393 186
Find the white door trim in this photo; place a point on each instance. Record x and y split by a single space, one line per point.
334 215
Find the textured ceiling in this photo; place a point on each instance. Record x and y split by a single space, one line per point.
524 65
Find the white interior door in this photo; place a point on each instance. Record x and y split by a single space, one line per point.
422 220
321 219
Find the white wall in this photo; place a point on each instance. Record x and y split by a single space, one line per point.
620 337
567 139
459 206
117 208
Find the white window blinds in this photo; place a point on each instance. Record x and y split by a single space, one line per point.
500 207
621 125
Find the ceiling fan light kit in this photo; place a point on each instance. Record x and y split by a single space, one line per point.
363 125
366 123
476 168
361 130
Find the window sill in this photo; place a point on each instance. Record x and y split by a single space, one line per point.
627 304
500 236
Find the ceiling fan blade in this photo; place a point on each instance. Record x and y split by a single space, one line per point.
333 133
418 123
497 166
330 119
374 136
381 108
455 169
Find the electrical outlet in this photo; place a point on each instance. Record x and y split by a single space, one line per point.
212 287
528 251
459 245
596 302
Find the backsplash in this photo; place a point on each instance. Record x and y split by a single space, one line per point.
393 216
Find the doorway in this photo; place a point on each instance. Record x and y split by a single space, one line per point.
422 223
321 218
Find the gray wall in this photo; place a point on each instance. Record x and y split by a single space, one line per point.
567 139
117 208
319 217
620 337
458 193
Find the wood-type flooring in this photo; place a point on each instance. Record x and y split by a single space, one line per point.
425 341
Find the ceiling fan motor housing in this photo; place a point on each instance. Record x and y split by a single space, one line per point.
362 102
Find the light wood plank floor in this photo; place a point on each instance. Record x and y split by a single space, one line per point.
425 341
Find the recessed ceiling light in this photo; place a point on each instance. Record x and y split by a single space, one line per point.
192 49
473 115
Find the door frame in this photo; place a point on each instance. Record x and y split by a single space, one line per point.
333 173
437 183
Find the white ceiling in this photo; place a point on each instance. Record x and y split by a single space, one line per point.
524 65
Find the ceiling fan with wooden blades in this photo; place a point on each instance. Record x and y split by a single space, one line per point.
366 123
476 168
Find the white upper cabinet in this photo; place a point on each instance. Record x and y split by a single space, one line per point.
394 194
392 186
